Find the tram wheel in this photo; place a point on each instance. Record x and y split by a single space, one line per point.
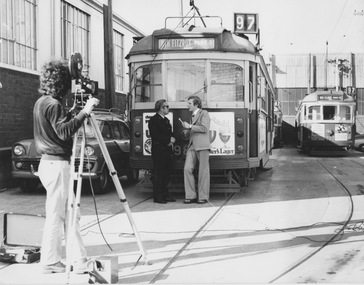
244 177
133 175
361 147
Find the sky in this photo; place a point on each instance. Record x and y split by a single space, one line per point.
286 26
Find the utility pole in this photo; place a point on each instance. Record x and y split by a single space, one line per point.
341 70
109 56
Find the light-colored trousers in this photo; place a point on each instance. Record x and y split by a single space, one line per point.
55 177
192 156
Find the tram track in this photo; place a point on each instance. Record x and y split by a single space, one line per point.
159 275
334 237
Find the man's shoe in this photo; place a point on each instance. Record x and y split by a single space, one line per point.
201 201
189 201
58 267
160 201
169 199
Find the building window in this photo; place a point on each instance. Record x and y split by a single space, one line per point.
119 60
75 32
18 45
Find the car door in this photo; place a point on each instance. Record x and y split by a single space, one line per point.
122 141
108 136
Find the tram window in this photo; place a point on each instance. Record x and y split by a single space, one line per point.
227 82
148 83
314 113
329 112
344 113
185 79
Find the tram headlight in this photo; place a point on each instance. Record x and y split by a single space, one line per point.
240 134
137 134
137 120
240 147
240 120
138 148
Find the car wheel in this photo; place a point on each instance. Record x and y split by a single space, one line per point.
361 147
133 175
28 185
101 185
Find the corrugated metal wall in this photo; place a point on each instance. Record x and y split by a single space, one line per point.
297 75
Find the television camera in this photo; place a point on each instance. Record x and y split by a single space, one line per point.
82 86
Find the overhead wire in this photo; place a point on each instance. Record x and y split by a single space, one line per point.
150 66
337 21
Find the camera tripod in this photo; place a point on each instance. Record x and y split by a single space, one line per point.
74 199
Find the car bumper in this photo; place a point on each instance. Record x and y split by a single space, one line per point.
30 175
24 175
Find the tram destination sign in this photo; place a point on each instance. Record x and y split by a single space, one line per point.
186 44
246 23
329 97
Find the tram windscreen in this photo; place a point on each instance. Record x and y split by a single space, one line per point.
314 113
185 79
148 83
329 112
227 82
344 113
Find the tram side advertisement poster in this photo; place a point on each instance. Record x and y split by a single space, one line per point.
222 133
147 140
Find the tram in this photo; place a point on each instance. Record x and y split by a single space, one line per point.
229 75
278 130
325 121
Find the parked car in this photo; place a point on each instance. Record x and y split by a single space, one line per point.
359 142
116 135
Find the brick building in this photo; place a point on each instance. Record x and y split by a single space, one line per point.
33 32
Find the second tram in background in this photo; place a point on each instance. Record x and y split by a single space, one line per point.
228 74
325 122
278 128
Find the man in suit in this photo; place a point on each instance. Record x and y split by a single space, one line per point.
198 150
160 130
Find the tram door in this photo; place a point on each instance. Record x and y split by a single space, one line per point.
253 115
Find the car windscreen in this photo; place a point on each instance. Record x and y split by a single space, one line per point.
89 130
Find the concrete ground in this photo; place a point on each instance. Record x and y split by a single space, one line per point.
274 231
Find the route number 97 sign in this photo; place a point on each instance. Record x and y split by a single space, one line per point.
246 23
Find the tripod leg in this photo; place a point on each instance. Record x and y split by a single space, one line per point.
74 201
117 184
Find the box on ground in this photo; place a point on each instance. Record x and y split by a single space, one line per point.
22 238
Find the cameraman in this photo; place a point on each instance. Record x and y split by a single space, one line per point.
53 131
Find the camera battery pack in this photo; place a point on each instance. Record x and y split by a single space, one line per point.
22 238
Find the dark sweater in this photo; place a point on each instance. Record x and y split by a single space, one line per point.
53 127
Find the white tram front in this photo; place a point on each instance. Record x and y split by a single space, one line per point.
325 121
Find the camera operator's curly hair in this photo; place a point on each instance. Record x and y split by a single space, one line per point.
55 78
